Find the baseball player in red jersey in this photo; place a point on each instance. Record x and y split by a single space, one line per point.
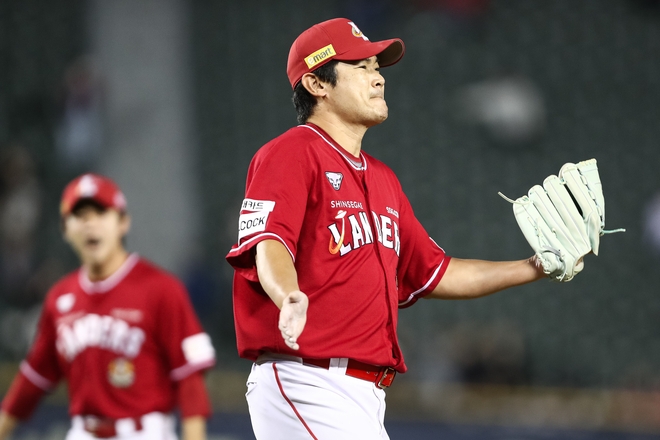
328 243
121 331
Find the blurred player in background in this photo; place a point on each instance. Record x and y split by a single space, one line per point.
120 331
328 243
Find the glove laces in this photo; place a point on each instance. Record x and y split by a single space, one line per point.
525 201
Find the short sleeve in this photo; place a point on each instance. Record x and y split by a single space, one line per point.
275 203
187 347
41 366
422 263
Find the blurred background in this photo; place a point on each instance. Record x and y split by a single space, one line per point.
171 98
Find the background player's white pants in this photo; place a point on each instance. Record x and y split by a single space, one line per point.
155 426
291 401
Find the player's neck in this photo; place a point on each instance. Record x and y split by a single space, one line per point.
348 136
99 271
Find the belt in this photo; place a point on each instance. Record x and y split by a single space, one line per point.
103 427
382 377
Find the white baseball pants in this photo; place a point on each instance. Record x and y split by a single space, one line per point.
291 401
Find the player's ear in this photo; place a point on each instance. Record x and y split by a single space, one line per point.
63 230
125 223
314 85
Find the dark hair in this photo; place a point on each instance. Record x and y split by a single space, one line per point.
82 203
303 101
88 202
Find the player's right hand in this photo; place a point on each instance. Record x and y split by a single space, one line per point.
293 316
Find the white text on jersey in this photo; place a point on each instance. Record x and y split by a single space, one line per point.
94 330
346 204
387 232
394 212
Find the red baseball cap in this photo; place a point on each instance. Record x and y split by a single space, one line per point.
337 39
94 187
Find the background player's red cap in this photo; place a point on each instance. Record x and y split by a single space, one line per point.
94 187
337 39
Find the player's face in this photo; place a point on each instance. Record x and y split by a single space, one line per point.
359 96
96 233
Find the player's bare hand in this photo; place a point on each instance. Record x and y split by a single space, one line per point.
293 316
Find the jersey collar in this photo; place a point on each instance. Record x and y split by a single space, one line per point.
92 287
323 135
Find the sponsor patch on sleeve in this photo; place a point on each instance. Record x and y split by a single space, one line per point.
254 215
257 205
251 223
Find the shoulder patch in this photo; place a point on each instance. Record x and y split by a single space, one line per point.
198 348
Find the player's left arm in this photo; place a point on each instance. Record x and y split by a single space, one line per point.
467 279
194 404
189 353
7 424
193 428
422 263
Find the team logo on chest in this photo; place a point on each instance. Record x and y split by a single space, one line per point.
65 302
336 236
121 373
355 231
334 179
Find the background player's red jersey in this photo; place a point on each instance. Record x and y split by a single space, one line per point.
117 341
338 216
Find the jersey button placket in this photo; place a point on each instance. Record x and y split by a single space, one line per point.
390 323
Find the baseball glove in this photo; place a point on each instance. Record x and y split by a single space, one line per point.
564 219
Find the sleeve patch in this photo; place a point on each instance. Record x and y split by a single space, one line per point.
257 205
251 223
254 215
198 348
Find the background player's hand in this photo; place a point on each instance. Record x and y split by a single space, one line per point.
293 316
7 424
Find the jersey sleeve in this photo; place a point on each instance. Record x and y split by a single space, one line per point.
38 373
22 398
274 207
187 347
41 366
192 396
422 263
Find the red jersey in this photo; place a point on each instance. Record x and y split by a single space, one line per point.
120 343
358 250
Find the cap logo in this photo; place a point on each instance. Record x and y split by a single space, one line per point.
87 187
320 55
357 32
